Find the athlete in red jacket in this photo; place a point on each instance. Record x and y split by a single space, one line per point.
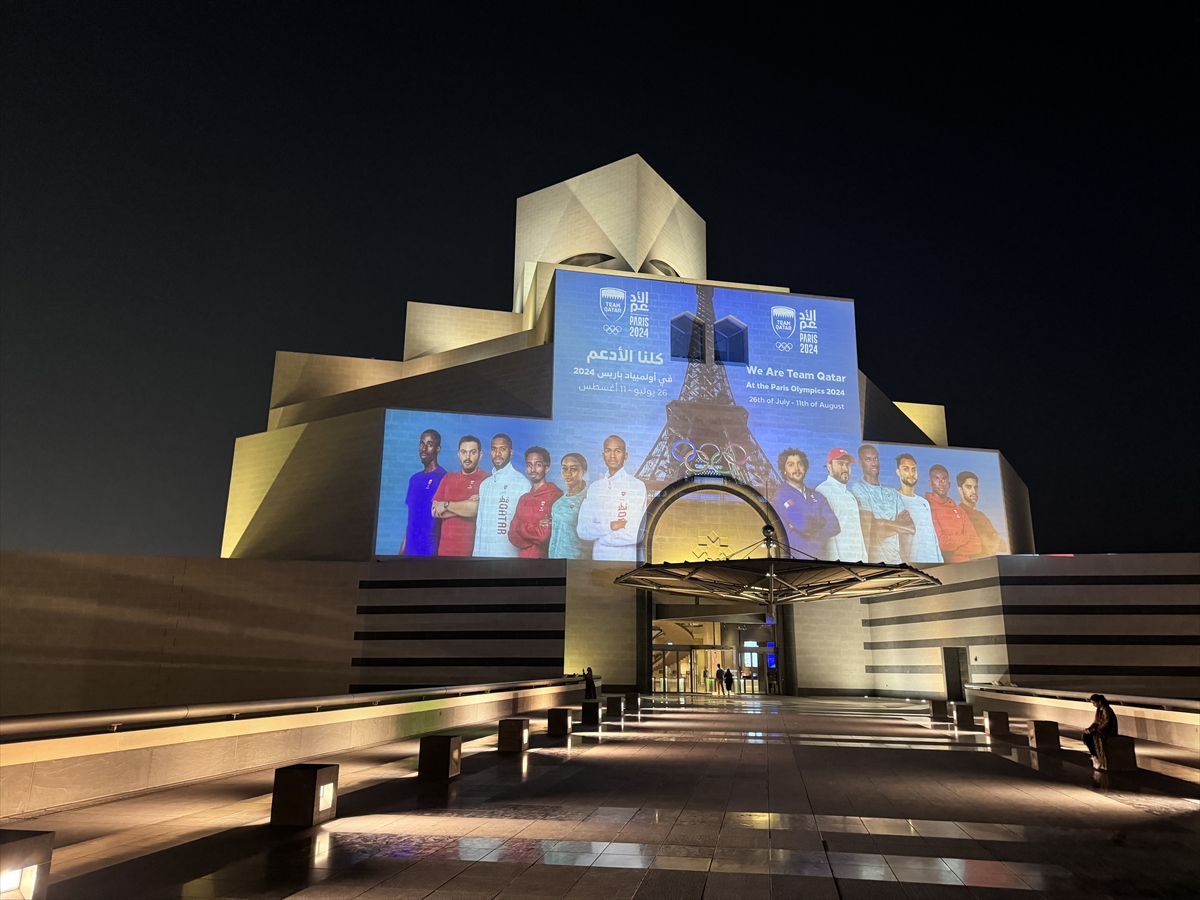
956 534
529 530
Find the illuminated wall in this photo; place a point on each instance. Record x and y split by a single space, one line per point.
692 379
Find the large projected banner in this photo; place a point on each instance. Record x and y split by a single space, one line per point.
654 381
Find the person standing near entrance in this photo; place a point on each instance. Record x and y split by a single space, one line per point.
720 679
729 681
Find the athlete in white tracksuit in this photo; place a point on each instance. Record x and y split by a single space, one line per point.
612 513
848 546
498 495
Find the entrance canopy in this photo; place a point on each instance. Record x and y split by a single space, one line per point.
773 581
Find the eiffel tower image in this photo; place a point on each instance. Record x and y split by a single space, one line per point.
705 418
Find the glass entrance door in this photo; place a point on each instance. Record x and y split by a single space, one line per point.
674 671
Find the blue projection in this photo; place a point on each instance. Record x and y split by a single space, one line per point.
653 381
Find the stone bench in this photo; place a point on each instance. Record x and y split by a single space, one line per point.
1116 753
633 701
937 711
304 795
615 706
558 722
591 712
996 723
964 716
1043 735
513 736
25 863
440 757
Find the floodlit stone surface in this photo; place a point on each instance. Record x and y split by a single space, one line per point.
688 798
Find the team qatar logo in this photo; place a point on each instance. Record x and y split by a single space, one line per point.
612 303
783 320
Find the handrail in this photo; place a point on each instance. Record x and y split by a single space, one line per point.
1115 699
68 724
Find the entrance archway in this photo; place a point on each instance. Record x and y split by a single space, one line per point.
711 516
707 517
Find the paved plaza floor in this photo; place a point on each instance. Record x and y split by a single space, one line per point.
692 797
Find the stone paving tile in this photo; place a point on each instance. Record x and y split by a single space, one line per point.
606 884
725 886
671 884
851 889
801 887
708 813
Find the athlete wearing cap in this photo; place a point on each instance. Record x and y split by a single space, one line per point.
848 545
498 495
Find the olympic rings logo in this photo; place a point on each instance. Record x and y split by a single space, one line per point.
783 345
699 459
612 329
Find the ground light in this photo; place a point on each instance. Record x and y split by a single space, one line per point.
20 880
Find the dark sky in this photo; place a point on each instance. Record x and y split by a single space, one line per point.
1008 191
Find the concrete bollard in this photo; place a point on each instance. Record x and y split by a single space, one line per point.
1047 763
1043 735
996 723
513 736
591 712
558 722
25 862
1116 754
441 757
615 706
937 710
964 716
304 795
633 701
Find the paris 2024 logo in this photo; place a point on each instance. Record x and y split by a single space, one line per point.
794 329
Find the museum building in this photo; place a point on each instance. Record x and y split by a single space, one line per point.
462 515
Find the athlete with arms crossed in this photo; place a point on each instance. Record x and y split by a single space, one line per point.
456 502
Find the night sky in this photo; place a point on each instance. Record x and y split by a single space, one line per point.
1008 192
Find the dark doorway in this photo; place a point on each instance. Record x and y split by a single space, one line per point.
958 672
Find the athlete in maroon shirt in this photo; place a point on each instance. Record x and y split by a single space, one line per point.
530 529
456 502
